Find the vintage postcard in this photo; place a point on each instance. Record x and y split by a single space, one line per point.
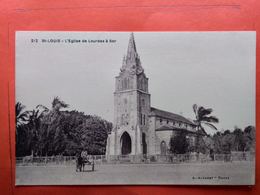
134 108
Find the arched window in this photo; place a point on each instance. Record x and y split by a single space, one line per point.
125 83
128 83
140 83
163 148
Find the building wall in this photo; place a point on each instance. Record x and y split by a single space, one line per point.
152 135
160 137
160 122
131 111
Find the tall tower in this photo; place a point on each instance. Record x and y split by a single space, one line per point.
131 107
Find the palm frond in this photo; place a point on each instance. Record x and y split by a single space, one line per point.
211 119
210 125
57 100
19 108
195 109
20 115
40 106
204 112
202 131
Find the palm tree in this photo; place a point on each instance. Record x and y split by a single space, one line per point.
34 123
57 104
20 115
50 114
203 118
21 118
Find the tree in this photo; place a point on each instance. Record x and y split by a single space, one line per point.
217 143
21 115
239 140
33 127
203 117
227 142
54 132
57 104
249 136
227 132
179 143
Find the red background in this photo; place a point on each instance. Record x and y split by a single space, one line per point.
113 15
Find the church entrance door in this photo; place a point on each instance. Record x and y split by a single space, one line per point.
126 145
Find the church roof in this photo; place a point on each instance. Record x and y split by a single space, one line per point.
169 115
171 128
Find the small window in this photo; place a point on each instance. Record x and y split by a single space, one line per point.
122 119
143 102
167 121
160 121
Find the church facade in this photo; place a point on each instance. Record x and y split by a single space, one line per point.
139 128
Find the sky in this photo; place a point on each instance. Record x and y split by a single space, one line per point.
212 69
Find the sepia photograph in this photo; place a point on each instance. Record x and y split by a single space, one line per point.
135 108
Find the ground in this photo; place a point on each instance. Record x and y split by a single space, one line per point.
241 173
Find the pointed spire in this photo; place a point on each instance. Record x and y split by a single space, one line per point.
131 51
132 61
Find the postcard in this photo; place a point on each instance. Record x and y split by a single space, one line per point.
153 108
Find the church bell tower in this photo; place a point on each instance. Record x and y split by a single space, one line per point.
131 107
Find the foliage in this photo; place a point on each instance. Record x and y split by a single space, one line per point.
179 143
237 140
55 132
203 118
21 115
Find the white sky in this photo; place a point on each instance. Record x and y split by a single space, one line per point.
212 69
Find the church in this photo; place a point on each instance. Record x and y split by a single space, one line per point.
139 128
